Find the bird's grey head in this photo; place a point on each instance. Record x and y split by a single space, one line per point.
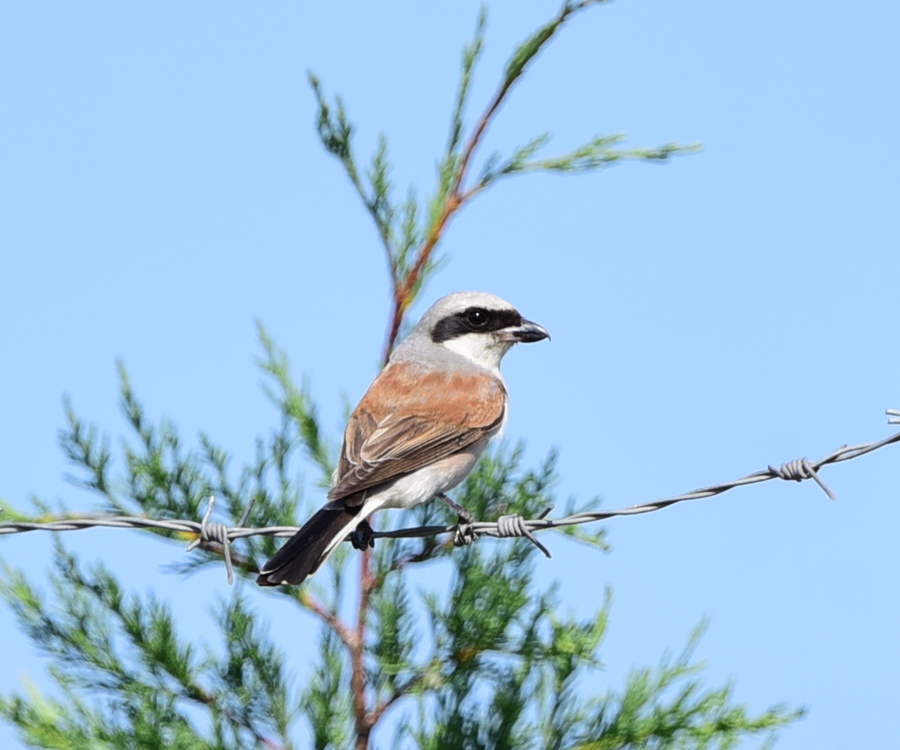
479 326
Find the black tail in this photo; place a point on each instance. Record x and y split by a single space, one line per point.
301 555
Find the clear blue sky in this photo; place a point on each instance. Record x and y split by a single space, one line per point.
162 186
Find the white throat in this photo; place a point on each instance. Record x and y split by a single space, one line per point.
481 348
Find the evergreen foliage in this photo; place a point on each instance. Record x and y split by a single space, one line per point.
488 664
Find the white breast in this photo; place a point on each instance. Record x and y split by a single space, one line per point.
423 484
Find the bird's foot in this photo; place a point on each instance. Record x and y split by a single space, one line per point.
463 514
465 535
362 536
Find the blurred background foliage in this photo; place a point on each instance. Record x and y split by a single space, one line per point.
488 663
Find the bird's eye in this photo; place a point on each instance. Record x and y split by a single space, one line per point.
477 318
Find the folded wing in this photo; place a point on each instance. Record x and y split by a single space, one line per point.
410 419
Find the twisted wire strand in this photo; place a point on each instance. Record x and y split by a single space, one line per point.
210 535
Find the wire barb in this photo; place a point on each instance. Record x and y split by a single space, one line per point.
798 470
216 533
515 525
210 533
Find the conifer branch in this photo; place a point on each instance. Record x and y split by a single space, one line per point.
340 628
410 248
491 637
455 197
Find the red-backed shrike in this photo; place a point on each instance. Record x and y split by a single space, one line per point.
421 426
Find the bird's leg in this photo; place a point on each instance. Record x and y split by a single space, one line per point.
463 514
464 535
361 537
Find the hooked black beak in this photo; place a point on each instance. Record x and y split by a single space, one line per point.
525 333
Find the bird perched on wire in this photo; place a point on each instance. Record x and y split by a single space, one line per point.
420 428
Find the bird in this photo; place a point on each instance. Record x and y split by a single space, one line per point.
420 428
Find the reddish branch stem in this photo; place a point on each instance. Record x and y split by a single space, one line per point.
403 292
456 197
452 203
331 619
365 720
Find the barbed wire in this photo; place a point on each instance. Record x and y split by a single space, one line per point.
209 533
